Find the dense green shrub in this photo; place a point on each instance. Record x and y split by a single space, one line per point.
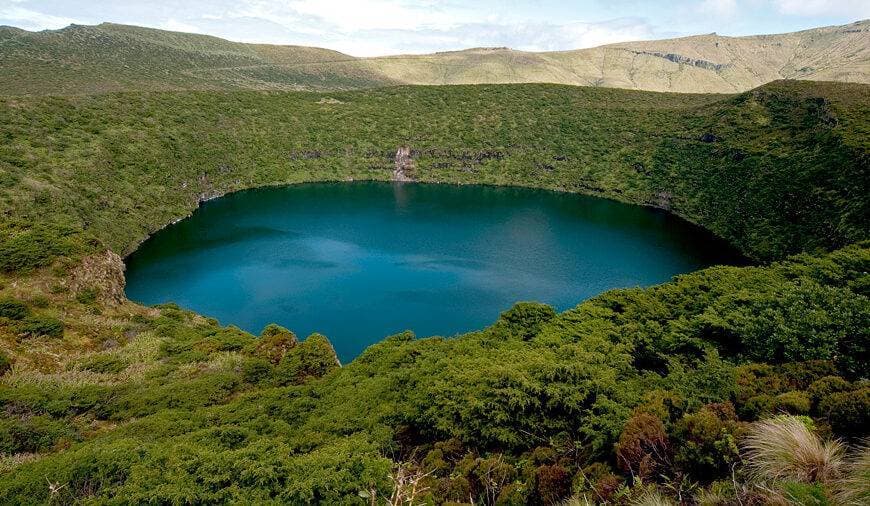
12 308
36 326
106 364
524 319
32 434
793 403
312 358
757 407
707 441
88 295
800 375
28 249
848 412
256 370
822 388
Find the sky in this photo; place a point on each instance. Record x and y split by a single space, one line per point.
381 27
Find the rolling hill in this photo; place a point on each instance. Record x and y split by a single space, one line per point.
110 57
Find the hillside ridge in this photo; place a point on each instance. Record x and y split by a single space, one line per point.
84 59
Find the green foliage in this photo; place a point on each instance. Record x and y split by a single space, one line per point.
12 308
793 402
312 358
88 295
805 493
24 250
708 441
788 184
536 403
31 434
848 412
525 319
39 326
822 388
106 364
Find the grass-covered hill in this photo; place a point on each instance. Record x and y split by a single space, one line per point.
110 57
635 392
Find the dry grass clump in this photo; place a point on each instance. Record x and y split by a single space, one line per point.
854 488
784 449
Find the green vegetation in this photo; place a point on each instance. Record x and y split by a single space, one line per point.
636 396
778 170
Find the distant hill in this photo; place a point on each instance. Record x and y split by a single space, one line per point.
110 57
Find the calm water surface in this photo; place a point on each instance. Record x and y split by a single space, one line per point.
360 261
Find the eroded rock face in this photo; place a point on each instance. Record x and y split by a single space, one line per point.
103 272
404 165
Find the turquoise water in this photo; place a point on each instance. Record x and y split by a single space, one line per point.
360 261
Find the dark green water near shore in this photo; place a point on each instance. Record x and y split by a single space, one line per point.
359 261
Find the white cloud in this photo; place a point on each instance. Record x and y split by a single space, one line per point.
582 35
377 14
33 20
852 8
180 26
719 8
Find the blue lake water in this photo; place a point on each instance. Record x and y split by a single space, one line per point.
360 261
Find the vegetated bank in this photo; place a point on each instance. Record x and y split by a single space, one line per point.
631 392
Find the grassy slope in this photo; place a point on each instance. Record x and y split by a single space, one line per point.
109 57
138 404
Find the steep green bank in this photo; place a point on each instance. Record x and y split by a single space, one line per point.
633 391
778 170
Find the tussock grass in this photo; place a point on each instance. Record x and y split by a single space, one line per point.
854 488
784 449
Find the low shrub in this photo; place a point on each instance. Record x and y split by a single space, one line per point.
35 326
643 448
848 412
525 319
708 441
12 308
794 403
29 249
32 434
88 295
105 364
823 388
553 483
312 358
255 370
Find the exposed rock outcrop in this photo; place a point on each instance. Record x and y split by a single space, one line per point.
103 272
685 60
404 168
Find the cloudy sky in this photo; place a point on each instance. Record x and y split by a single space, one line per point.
378 27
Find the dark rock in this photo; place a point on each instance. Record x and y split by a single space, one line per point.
709 137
